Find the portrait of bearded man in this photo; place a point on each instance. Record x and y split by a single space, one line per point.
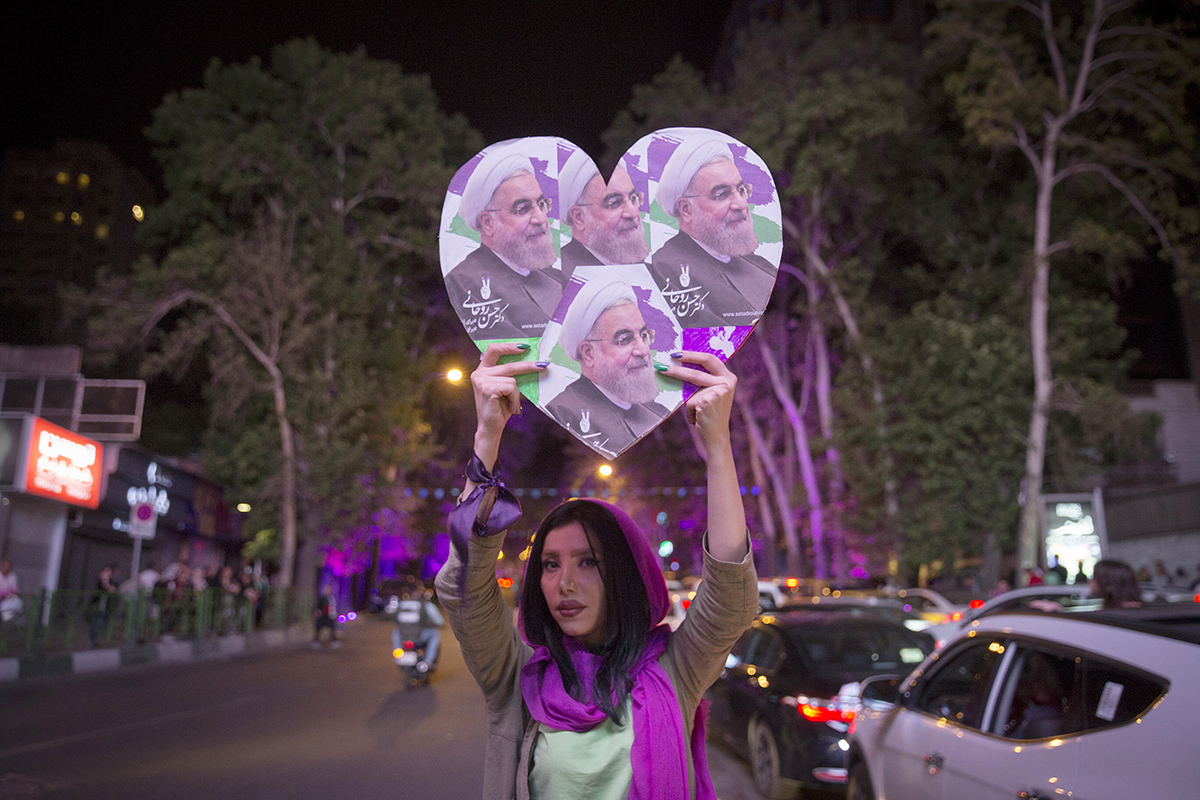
613 402
605 219
709 272
507 287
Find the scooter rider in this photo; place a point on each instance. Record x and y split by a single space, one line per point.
419 620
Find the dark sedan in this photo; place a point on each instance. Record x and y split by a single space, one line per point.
790 689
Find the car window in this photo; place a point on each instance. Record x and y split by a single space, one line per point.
766 651
957 689
1041 696
1115 694
862 648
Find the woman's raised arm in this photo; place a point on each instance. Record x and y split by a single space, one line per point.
709 409
496 399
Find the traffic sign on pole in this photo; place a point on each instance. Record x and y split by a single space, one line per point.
143 521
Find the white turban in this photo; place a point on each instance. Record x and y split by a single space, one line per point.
683 165
573 178
593 299
493 169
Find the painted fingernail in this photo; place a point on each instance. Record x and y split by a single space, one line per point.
542 364
677 354
522 347
661 367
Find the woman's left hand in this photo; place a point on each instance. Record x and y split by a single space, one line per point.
709 408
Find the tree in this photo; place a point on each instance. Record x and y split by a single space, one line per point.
1092 97
298 242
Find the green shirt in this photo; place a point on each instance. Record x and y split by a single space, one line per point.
594 764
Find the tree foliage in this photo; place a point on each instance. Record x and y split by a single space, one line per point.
298 247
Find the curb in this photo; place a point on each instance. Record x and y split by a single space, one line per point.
178 651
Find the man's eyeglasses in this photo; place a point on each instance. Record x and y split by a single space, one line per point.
724 192
626 339
523 208
615 201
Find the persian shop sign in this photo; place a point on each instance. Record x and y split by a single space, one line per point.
62 465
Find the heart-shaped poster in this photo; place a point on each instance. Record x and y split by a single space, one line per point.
679 250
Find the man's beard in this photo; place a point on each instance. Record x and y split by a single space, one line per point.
736 239
630 386
621 247
529 253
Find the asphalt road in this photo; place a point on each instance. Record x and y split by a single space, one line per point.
289 723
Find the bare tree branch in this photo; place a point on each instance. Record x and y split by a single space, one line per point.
1130 195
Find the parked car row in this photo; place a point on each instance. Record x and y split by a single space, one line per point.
1038 705
1025 696
790 686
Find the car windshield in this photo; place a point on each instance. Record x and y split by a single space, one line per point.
861 648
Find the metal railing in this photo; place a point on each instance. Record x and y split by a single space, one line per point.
64 621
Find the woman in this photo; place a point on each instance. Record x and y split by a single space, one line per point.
1115 582
591 697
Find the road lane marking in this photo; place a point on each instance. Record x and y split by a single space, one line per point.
129 726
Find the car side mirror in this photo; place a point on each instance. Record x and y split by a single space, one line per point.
880 692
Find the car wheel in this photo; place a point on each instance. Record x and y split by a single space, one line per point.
764 762
859 783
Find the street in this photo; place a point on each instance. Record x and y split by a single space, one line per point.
288 723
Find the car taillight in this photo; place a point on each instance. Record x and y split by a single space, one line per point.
816 710
409 645
976 603
956 616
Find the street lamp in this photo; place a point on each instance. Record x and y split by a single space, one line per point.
605 470
454 375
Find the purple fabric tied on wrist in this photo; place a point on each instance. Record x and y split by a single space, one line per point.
489 509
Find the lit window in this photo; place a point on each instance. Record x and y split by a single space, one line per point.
138 214
76 218
62 178
102 231
19 215
59 216
83 180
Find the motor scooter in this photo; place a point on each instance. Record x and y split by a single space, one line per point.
410 658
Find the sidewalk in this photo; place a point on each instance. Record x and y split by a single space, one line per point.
164 651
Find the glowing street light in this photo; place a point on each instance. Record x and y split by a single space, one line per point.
244 508
605 470
454 375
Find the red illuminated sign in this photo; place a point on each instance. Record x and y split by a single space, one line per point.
62 465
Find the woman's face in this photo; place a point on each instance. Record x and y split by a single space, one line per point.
572 585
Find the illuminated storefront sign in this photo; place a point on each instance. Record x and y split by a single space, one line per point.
62 465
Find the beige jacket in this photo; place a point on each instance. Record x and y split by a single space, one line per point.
494 651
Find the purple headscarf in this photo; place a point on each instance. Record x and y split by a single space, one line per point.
659 752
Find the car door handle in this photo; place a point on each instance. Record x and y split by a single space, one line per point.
934 763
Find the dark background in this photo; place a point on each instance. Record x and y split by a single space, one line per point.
98 70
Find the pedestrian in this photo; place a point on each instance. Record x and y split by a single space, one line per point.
104 597
323 618
11 605
1081 576
1161 578
1115 582
585 694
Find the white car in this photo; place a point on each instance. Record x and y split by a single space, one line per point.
1101 705
1076 596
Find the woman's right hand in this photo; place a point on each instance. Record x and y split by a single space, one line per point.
496 396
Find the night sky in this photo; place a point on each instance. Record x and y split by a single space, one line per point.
98 70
